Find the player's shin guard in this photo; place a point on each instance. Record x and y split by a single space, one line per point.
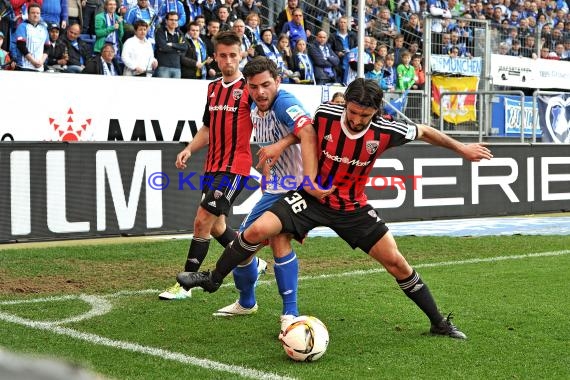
237 251
227 237
244 279
419 292
286 274
196 254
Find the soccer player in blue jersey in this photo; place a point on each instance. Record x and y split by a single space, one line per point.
276 114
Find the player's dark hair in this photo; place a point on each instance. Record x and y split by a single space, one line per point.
364 92
259 65
228 38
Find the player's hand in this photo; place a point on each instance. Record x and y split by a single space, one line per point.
181 158
269 155
476 152
318 191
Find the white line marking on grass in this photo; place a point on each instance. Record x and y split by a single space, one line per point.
440 264
100 305
134 347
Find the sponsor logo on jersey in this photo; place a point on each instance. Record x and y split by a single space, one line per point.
223 107
329 137
345 160
294 112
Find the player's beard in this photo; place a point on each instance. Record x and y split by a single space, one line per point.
354 128
228 70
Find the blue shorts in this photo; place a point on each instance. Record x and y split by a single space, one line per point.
267 200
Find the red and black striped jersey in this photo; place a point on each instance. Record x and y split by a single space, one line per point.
345 160
227 115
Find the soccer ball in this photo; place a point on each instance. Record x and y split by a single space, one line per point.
305 339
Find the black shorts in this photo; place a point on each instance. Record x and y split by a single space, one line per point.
299 213
220 190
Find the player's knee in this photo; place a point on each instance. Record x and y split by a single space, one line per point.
203 222
255 233
391 259
218 228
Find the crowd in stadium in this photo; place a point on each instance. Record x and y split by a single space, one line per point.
312 42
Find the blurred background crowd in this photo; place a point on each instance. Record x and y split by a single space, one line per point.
312 42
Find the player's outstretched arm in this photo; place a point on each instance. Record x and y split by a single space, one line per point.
472 152
199 141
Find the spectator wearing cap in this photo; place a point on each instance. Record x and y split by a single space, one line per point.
55 49
55 12
5 62
105 63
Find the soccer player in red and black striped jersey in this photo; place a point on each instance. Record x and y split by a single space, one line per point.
349 139
227 132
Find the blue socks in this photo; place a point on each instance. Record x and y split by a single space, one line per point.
286 274
244 279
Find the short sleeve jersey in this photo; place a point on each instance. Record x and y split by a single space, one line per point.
227 114
345 160
285 116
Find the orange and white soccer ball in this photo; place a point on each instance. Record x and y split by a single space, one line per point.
305 338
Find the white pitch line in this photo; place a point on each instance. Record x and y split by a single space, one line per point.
128 293
205 363
134 347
